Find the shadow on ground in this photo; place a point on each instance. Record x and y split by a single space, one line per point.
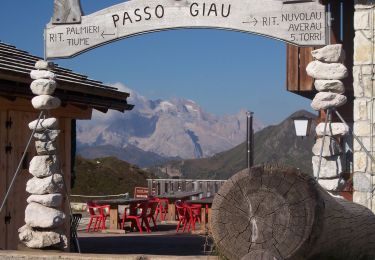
163 242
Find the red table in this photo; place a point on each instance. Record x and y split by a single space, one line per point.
113 211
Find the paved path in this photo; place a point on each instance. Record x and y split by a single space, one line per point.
163 242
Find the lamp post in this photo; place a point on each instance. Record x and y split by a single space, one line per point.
302 125
249 139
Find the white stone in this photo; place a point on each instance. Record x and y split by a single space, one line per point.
48 185
363 198
362 47
48 123
45 148
42 74
360 162
47 135
324 100
48 200
362 128
45 102
335 86
44 165
331 147
366 141
39 216
320 70
43 86
360 110
362 81
331 184
44 65
362 182
329 53
361 20
331 167
41 239
332 129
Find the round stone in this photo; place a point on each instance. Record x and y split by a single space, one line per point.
48 200
43 86
48 185
44 65
320 70
325 100
44 165
39 216
332 129
48 123
45 102
329 53
47 135
42 74
335 86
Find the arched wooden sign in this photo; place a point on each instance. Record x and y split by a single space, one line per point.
300 22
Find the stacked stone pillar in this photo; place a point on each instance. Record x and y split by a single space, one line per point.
43 215
328 71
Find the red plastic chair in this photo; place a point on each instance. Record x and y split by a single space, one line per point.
194 214
104 213
183 215
151 212
98 216
162 209
138 218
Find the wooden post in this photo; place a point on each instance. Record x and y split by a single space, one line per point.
275 212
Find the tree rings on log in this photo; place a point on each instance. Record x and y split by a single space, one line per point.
274 213
265 213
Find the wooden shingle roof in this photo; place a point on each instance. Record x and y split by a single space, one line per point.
73 88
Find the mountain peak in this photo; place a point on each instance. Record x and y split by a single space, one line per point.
170 128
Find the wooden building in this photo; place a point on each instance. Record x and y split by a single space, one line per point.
342 31
79 96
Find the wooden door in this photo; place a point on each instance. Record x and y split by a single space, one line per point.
3 176
18 136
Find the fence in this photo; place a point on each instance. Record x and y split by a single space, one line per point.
162 186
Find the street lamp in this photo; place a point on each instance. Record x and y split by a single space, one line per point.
302 125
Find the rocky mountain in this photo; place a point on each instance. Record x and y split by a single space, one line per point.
173 128
273 144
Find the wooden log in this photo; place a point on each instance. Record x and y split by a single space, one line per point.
275 212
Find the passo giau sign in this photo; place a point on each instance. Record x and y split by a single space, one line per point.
298 23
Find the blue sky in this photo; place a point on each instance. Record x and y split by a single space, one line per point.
222 71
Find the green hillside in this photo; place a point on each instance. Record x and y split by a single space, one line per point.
273 144
107 176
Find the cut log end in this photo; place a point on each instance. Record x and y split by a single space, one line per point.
264 208
274 212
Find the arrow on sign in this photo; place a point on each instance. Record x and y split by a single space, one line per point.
110 34
254 21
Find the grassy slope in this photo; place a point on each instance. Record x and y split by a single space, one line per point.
107 176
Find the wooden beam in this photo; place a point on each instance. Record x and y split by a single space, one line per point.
24 105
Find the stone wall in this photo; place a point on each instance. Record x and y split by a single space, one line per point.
364 107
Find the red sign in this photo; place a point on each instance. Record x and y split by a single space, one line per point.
140 192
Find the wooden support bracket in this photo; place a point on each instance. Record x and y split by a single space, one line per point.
67 12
